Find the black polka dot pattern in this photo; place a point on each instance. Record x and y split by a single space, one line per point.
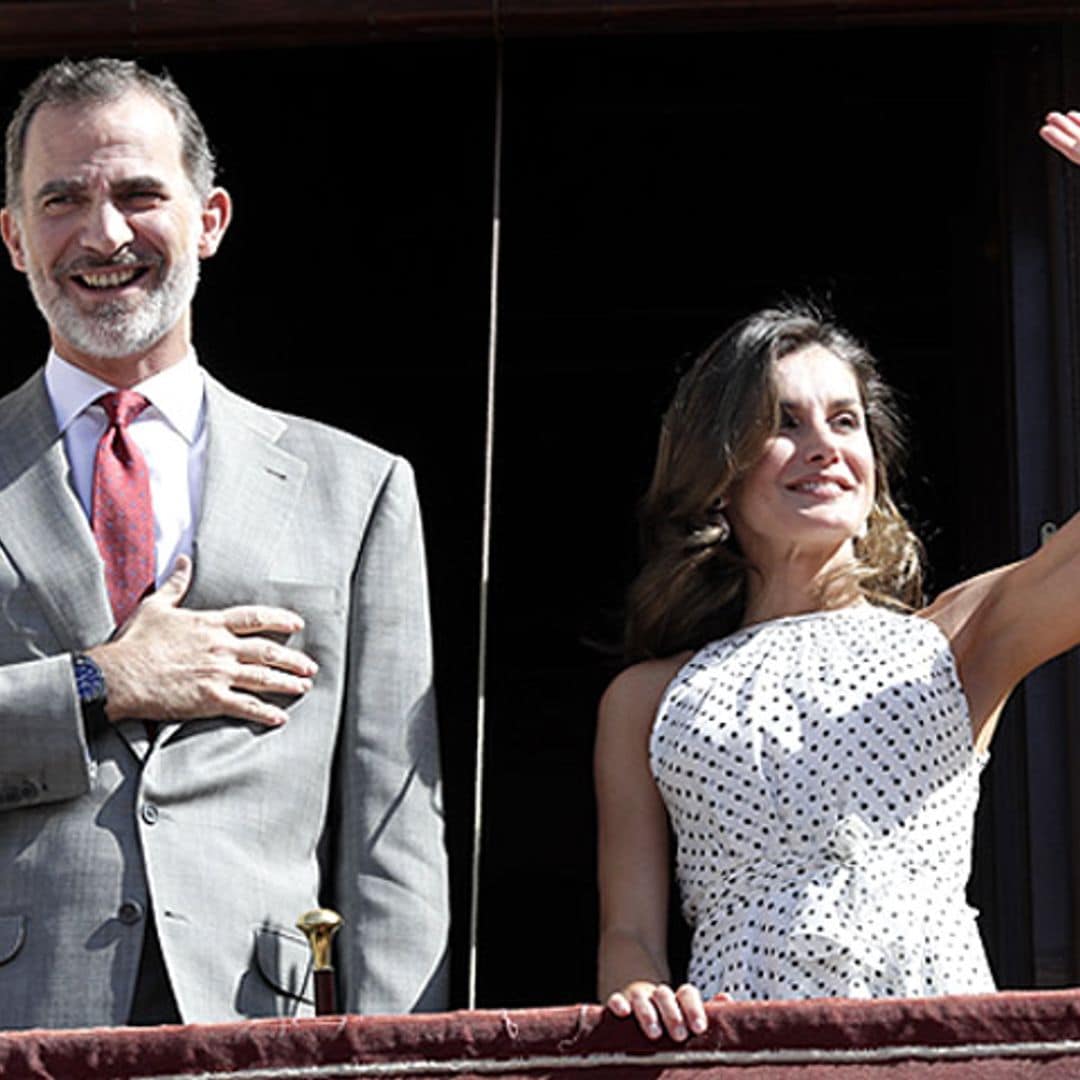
821 782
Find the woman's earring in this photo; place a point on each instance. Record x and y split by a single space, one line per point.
718 520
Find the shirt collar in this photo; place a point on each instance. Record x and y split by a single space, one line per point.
176 393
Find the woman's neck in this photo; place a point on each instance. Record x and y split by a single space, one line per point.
799 584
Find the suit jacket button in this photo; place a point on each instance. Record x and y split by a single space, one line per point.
131 911
149 813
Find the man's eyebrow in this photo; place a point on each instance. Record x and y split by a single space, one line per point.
139 183
75 187
60 187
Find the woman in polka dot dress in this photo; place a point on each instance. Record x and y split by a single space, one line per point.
813 734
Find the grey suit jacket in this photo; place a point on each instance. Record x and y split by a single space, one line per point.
225 830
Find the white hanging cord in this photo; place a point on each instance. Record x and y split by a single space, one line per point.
485 539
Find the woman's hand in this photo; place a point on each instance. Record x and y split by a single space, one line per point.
657 1008
1062 132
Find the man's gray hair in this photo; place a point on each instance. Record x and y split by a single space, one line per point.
97 82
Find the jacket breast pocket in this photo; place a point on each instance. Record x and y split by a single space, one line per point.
322 607
301 596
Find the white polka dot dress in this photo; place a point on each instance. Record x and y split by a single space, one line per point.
821 782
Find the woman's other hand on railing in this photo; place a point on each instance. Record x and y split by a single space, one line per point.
658 1009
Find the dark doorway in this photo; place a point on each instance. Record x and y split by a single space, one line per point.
655 190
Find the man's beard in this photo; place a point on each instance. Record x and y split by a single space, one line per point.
118 328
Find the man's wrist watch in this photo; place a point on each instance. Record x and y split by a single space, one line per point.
90 684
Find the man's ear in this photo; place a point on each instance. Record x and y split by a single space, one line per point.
215 217
9 229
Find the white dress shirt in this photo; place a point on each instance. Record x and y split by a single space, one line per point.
171 433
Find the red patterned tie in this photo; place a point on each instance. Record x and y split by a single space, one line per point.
121 515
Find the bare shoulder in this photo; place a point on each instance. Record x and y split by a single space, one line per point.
635 693
627 711
957 608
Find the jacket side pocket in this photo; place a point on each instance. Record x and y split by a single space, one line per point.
12 936
284 961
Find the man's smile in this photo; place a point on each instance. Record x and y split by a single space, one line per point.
98 276
109 279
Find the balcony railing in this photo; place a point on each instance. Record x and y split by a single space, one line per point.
992 1037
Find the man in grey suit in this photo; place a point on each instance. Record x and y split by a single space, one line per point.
184 775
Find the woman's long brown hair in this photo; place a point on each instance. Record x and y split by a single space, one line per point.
692 586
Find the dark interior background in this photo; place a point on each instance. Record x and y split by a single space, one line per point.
654 188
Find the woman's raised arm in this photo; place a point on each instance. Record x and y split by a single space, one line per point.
1004 624
633 861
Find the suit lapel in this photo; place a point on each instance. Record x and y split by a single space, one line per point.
249 496
250 492
42 526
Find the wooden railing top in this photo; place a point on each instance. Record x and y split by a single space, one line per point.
981 1038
